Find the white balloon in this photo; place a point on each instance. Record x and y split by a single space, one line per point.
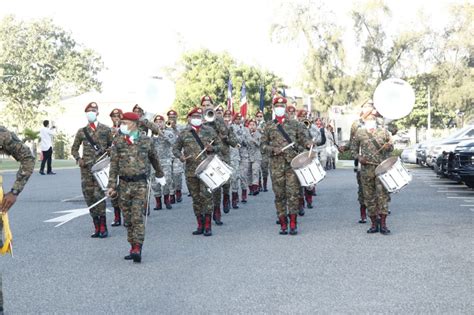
394 98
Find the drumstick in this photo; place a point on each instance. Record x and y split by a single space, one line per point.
310 149
288 146
203 151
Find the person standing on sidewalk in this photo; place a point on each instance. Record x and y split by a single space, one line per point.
46 146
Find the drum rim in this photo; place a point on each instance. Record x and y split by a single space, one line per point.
306 160
101 164
203 164
386 165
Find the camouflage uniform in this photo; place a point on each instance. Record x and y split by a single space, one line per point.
177 166
187 144
102 136
163 146
284 181
265 161
130 162
255 157
11 145
360 194
115 202
367 143
243 138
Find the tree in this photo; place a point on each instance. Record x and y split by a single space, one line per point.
40 63
324 76
381 53
204 72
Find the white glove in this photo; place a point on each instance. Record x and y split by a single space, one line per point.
161 180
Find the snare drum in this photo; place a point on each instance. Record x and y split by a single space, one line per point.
308 169
213 172
100 170
393 174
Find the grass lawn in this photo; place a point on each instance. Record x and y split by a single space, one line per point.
8 164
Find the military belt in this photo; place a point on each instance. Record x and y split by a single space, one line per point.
135 178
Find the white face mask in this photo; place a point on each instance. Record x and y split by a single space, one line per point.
370 124
196 122
124 129
91 116
279 111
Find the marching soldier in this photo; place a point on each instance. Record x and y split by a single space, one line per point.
255 157
10 144
243 138
371 145
291 110
366 108
234 162
144 123
130 162
283 138
116 116
163 143
176 165
194 139
96 140
265 158
226 139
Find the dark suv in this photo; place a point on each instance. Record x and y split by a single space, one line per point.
463 162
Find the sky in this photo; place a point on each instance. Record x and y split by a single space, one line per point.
136 39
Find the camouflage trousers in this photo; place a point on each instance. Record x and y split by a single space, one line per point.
254 169
92 192
202 202
244 173
132 200
167 188
235 178
376 197
264 165
360 193
285 185
177 171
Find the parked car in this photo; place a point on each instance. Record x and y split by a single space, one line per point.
447 145
463 162
421 153
444 160
409 154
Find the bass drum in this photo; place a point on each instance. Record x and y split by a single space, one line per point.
394 98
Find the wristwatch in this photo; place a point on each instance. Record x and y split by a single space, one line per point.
15 192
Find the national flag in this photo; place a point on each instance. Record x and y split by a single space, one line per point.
243 102
230 105
283 92
262 98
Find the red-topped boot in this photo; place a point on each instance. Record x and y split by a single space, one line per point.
363 214
207 225
374 228
136 253
168 202
283 224
172 199
226 203
244 195
235 200
96 221
103 233
309 198
117 217
200 227
179 195
383 225
216 215
293 225
265 184
301 206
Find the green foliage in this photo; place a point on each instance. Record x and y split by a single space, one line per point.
61 146
40 63
346 155
204 72
30 135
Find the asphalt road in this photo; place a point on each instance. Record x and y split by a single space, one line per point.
331 266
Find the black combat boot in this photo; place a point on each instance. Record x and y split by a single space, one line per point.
383 225
117 217
293 224
103 233
136 253
207 225
363 214
284 225
129 256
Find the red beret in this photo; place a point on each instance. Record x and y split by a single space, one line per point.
279 100
207 99
258 112
171 112
290 107
158 117
228 112
92 105
251 120
130 116
195 110
302 113
137 107
237 115
116 111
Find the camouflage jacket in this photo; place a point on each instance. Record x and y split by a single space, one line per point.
164 146
227 137
355 125
132 159
272 138
243 138
11 145
102 136
254 146
368 143
186 144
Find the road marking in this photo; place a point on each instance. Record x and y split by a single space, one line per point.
453 186
72 199
455 191
465 205
462 198
71 214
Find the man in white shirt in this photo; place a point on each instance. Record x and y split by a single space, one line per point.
46 146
